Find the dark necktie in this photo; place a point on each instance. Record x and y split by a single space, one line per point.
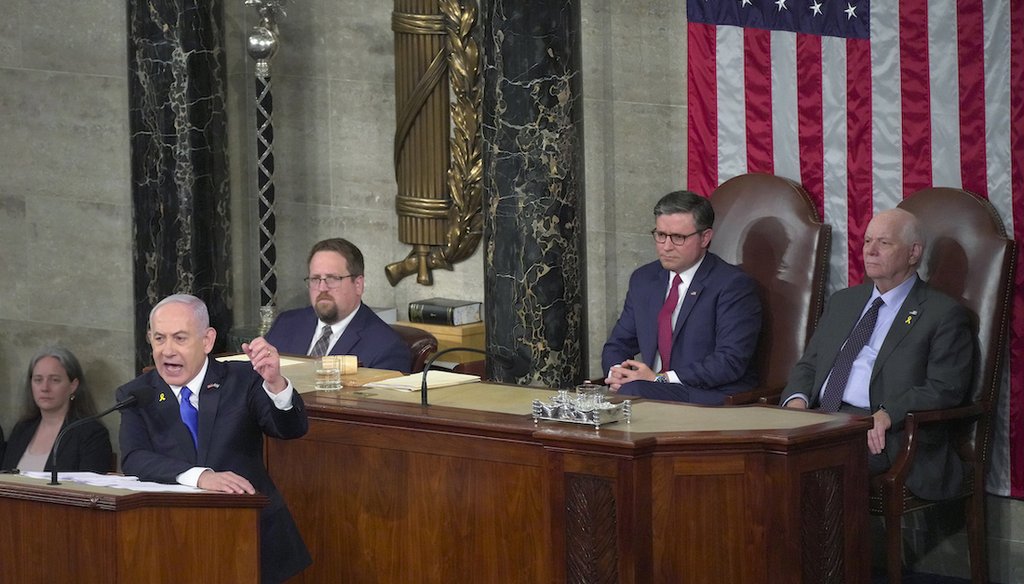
190 415
665 323
320 348
832 395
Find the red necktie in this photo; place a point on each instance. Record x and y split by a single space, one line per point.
665 323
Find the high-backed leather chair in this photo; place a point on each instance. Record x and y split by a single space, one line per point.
421 344
969 257
768 225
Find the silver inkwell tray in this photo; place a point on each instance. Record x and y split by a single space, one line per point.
588 405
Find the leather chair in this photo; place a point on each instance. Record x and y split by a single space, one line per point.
768 225
421 344
969 257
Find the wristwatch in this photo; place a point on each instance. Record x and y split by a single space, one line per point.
661 378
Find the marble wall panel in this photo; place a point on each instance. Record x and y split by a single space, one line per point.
598 294
64 135
635 51
1006 539
599 161
79 264
79 37
302 153
650 160
17 290
362 127
238 22
244 215
337 40
10 34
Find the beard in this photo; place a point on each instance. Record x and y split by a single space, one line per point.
326 309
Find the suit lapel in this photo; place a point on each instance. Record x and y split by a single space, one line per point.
910 312
169 411
693 293
209 401
655 299
847 315
352 334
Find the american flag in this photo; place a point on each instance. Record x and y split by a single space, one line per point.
864 103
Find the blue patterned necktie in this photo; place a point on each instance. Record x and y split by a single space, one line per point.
190 415
320 348
832 395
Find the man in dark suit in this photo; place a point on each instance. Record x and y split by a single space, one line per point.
693 318
916 352
337 322
220 446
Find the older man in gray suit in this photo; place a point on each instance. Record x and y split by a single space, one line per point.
890 347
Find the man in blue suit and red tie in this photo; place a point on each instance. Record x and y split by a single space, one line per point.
337 322
690 323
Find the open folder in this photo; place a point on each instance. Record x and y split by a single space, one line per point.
414 381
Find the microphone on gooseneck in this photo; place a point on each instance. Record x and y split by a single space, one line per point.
515 367
137 397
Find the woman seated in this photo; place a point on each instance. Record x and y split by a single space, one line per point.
55 395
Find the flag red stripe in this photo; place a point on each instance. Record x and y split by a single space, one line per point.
859 180
1016 430
971 57
757 83
809 103
702 109
915 96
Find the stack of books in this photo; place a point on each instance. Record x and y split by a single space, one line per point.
445 311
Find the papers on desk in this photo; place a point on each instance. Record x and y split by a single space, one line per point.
112 481
285 361
414 381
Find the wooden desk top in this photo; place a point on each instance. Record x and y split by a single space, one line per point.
509 407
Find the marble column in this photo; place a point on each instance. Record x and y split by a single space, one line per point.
533 189
180 198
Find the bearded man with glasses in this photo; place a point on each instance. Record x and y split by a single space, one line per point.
690 323
337 322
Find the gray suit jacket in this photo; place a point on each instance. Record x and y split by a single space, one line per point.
926 362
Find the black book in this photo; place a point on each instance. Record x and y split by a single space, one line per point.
446 311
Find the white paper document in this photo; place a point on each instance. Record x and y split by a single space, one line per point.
113 481
285 361
414 382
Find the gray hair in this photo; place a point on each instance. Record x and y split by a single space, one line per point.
199 310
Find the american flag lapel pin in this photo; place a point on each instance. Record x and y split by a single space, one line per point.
212 385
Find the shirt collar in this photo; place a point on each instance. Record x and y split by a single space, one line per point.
339 327
894 298
194 384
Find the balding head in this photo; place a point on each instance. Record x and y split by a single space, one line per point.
893 247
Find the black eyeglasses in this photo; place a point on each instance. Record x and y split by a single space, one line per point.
331 281
677 239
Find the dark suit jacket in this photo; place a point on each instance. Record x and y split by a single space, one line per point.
714 339
367 337
925 362
84 448
234 414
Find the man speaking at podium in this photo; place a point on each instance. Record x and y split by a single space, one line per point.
206 424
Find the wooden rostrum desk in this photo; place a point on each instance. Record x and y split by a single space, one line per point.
469 490
80 533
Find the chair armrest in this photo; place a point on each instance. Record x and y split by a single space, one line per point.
764 395
915 421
